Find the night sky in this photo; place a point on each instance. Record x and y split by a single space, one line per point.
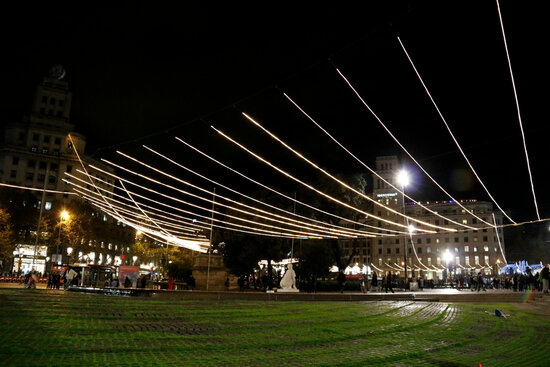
143 74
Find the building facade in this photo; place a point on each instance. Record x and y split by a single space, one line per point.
435 253
39 153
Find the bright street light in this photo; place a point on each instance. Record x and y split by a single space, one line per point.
403 178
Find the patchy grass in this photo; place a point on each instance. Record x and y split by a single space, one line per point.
39 328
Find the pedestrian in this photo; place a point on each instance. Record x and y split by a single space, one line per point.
341 278
545 278
226 283
374 281
480 282
363 286
144 281
127 282
388 284
191 282
69 277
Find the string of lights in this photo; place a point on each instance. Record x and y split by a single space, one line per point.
218 184
332 233
517 108
450 132
405 150
311 187
279 193
368 167
295 222
342 183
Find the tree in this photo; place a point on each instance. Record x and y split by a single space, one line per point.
6 237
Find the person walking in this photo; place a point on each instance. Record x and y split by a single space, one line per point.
480 282
374 281
388 284
545 278
341 280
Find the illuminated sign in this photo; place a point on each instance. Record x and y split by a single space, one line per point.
386 195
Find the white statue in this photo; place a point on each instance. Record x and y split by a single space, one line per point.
288 283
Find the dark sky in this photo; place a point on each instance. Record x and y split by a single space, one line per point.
146 73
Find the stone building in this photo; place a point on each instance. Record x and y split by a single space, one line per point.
37 153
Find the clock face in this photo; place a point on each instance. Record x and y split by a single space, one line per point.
57 71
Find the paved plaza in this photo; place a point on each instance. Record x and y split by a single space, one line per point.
44 328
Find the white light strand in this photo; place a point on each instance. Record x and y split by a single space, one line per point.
365 165
307 185
304 234
295 223
342 183
218 203
517 108
277 192
323 224
35 189
450 132
498 239
404 149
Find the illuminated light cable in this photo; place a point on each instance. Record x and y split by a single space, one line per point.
35 189
201 246
303 234
366 166
449 130
255 231
210 201
123 208
295 223
190 227
404 149
305 184
342 183
279 193
375 268
323 224
517 108
498 238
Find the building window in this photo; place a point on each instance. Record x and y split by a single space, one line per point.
29 176
21 136
379 251
466 248
13 173
419 241
475 238
44 150
475 248
51 179
34 149
54 167
69 169
397 250
486 260
388 251
41 177
52 100
397 241
47 138
464 221
429 250
465 239
437 240
474 220
61 102
467 260
42 165
456 239
31 163
447 240
44 99
485 248
35 137
48 205
485 238
457 260
420 250
476 260
428 240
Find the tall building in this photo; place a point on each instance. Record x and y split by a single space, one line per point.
37 152
433 255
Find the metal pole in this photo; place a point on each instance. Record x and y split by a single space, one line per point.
405 220
292 245
40 216
211 233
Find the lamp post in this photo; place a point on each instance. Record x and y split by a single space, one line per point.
134 258
403 180
63 216
447 256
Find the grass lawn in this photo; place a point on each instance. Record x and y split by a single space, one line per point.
40 328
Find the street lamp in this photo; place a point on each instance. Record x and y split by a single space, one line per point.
135 259
69 252
403 180
63 216
447 256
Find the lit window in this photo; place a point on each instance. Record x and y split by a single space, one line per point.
48 205
464 221
485 248
466 248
